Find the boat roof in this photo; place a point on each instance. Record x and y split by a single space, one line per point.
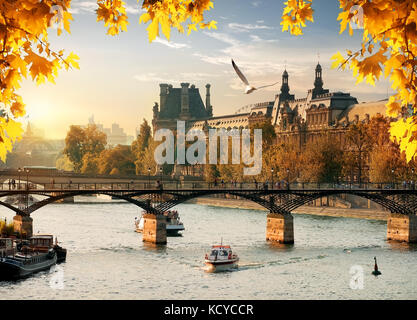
42 236
221 246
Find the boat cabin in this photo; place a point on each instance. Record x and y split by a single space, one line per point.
42 242
6 247
221 252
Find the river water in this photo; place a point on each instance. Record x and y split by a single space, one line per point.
108 260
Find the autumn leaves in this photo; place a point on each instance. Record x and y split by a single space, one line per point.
389 46
174 14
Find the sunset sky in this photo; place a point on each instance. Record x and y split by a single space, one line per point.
119 77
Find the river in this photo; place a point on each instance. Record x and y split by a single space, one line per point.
108 260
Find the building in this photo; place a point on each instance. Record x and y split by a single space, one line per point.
300 120
34 150
115 134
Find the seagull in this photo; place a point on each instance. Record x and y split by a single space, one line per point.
249 88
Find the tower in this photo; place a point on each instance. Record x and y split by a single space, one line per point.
318 82
209 108
285 89
185 102
163 96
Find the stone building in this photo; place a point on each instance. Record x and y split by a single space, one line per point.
183 103
300 120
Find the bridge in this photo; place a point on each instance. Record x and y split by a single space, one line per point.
280 202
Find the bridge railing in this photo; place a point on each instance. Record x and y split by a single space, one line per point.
177 185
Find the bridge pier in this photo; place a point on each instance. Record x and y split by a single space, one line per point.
23 225
280 228
402 227
154 229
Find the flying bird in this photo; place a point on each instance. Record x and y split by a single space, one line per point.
249 88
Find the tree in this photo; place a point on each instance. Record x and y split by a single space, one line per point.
143 149
80 142
322 161
286 161
118 160
359 143
144 138
64 163
383 160
25 48
389 46
90 164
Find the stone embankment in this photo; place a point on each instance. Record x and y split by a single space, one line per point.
371 214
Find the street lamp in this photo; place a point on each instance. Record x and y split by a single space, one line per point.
27 178
272 177
149 177
393 179
19 170
27 187
288 179
160 171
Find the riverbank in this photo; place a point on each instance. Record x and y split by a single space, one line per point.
370 214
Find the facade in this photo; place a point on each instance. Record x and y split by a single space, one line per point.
300 120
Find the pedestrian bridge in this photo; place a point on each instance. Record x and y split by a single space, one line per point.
401 201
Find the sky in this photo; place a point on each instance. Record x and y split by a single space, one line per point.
119 77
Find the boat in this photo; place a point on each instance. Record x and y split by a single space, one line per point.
44 242
21 263
173 223
221 258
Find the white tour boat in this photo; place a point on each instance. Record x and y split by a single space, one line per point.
221 258
173 223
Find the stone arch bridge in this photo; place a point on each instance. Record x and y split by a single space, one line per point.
402 203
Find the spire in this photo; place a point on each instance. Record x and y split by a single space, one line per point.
318 82
285 89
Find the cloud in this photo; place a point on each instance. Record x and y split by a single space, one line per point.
239 27
181 77
90 7
82 7
256 3
256 38
223 37
171 44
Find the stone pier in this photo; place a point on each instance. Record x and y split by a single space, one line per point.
154 229
280 228
401 227
23 225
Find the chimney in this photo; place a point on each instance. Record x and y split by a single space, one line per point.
185 99
163 96
208 103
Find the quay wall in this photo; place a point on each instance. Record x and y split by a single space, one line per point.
371 214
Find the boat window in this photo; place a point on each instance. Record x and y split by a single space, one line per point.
223 253
214 252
